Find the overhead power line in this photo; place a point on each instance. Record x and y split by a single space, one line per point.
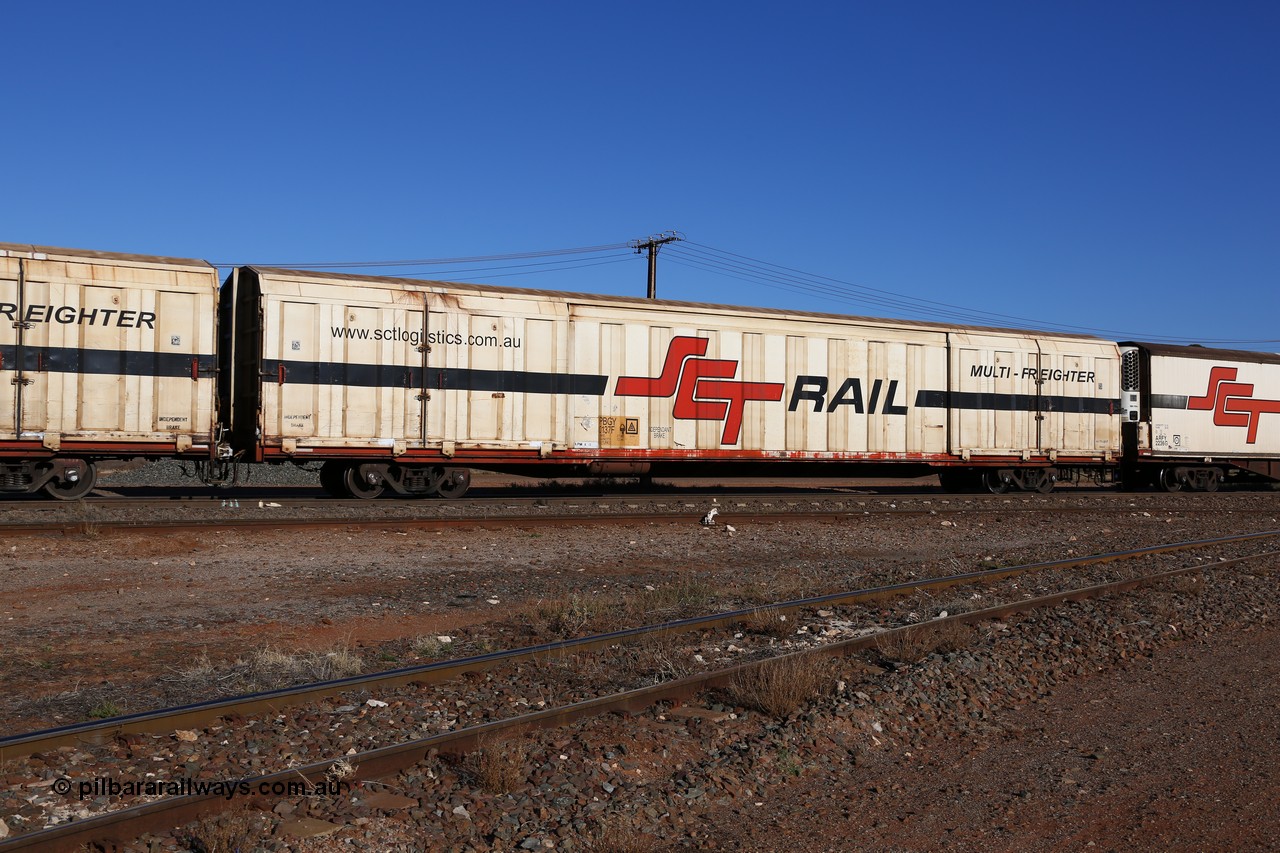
556 266
711 260
419 262
733 265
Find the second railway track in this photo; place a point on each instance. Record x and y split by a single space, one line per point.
392 756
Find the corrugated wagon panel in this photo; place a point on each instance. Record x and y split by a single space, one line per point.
1014 395
1079 380
112 349
1202 407
341 365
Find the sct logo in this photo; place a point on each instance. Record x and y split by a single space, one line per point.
703 387
1232 403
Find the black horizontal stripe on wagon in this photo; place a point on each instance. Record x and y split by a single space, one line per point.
1169 401
435 378
104 362
992 402
464 379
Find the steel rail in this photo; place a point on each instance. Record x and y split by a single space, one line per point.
626 513
433 523
201 713
129 823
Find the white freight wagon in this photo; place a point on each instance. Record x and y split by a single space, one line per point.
406 384
101 356
1192 414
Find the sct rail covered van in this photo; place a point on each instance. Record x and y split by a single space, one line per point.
101 356
405 386
1192 414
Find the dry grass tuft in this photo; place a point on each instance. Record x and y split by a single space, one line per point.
430 647
270 668
650 659
579 615
956 606
687 595
769 622
911 645
89 703
572 616
265 669
233 831
496 766
781 686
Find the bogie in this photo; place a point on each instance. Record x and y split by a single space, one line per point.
72 480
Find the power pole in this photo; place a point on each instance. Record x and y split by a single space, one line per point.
651 245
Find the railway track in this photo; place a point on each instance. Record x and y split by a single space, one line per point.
159 515
390 759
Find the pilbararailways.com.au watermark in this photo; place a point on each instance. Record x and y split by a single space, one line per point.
105 786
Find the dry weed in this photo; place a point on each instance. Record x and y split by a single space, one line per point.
270 668
431 647
266 669
687 595
495 766
230 832
768 622
650 659
911 645
96 703
780 686
572 616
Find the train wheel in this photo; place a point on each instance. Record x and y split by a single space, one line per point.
1211 482
454 483
331 479
73 490
994 483
356 480
1046 484
1169 480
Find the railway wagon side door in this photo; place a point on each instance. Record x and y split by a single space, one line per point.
1077 409
11 346
341 374
992 394
35 416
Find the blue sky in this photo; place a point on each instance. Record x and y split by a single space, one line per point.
1107 166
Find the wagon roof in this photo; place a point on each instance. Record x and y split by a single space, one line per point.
28 250
1206 352
640 301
